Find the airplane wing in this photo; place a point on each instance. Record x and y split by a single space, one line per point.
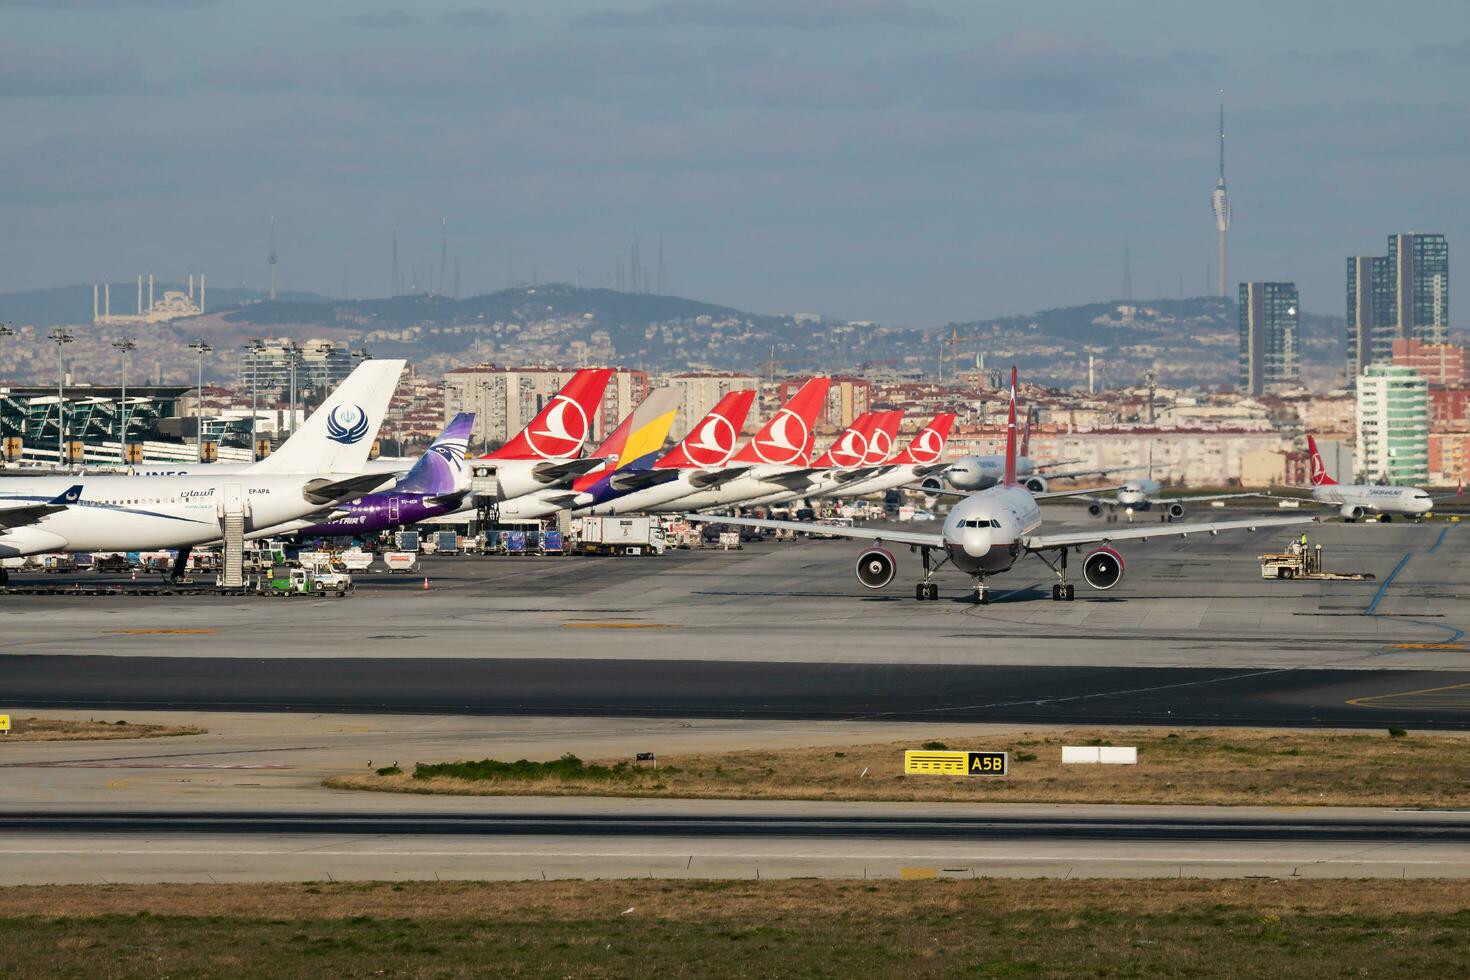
1074 493
1044 542
1099 472
941 492
335 491
862 533
27 514
1459 492
1195 498
717 478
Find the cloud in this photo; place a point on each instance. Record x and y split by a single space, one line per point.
386 21
767 14
475 17
29 70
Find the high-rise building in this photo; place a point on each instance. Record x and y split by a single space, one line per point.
1370 315
1404 295
1421 279
1269 335
1442 365
1393 425
321 365
702 391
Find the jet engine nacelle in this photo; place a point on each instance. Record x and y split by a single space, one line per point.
1036 484
1103 569
876 567
1351 512
1095 509
932 485
1176 511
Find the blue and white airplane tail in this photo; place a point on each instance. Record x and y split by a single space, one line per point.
441 470
339 434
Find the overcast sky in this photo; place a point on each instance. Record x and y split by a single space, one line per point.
912 161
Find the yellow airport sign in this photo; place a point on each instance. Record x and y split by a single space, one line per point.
955 763
5 724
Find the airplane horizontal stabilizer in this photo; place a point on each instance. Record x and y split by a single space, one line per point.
333 491
28 514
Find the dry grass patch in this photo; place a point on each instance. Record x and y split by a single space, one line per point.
1283 929
62 730
1184 766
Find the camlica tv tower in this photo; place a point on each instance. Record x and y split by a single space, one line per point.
1220 200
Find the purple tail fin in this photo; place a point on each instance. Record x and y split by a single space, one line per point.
441 468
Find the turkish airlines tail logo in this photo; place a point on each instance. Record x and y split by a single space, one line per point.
787 438
1319 475
852 446
928 445
712 440
564 424
880 440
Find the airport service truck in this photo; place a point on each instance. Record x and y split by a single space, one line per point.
621 536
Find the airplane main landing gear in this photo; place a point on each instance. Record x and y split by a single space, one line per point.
1063 591
927 589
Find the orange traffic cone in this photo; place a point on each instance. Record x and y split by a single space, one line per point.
426 583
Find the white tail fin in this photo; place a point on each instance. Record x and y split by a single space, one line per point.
339 434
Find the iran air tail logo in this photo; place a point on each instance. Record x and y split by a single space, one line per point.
347 424
712 443
927 447
784 441
559 433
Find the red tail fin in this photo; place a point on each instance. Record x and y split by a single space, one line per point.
881 441
853 444
1025 449
1319 477
712 441
787 437
928 446
1010 477
563 424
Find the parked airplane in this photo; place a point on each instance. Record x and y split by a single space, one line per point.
858 453
437 484
699 461
777 457
628 453
919 459
110 512
980 472
545 453
1355 500
989 531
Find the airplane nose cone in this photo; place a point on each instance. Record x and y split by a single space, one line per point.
976 541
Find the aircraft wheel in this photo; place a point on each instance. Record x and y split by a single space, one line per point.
921 592
1056 592
1069 592
1385 519
4 578
933 590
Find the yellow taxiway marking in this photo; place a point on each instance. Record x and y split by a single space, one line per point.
1428 646
1449 696
618 626
190 632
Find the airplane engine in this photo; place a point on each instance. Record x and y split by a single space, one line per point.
1103 569
1036 484
1351 512
876 567
1095 509
1176 511
932 485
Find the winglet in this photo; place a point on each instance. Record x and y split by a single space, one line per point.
71 496
1010 477
1319 477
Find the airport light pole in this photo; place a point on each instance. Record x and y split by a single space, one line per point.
60 337
5 331
252 360
201 348
126 346
293 357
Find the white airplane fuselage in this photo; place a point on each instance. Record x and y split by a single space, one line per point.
983 533
132 513
1369 498
649 498
982 472
743 488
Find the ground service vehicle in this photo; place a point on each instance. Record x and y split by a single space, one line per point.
622 536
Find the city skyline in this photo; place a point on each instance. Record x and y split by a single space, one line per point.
907 162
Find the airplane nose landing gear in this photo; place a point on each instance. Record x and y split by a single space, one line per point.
982 593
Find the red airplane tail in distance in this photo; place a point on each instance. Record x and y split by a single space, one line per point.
712 440
1319 477
562 426
852 444
1025 449
1010 477
787 438
928 446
